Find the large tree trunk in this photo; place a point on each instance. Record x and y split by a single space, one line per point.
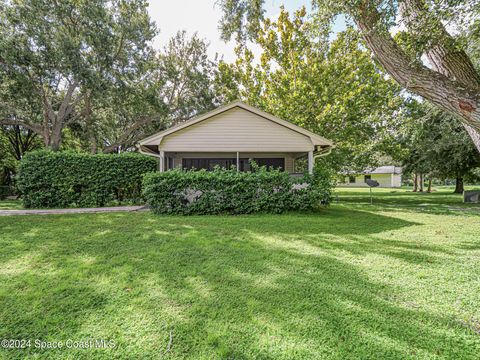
447 93
45 132
429 190
474 135
441 51
415 183
458 185
54 119
420 180
53 122
90 126
61 118
443 55
56 137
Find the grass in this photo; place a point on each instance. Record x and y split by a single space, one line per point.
440 200
11 204
351 281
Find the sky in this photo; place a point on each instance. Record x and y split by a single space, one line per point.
203 16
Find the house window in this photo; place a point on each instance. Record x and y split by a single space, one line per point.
227 163
367 177
351 179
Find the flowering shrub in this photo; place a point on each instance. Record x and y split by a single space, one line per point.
231 192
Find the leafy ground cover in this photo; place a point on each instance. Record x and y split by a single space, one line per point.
350 281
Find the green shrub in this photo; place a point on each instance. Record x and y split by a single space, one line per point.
5 191
64 179
229 191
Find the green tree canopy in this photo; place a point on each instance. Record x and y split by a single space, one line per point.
177 86
435 143
329 87
451 81
84 73
54 53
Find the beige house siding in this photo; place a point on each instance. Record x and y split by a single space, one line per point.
231 129
289 164
236 130
396 180
385 180
179 156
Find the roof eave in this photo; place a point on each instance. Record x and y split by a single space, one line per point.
317 140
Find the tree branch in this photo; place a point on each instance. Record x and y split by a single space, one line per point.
450 95
34 127
38 85
64 107
127 134
441 52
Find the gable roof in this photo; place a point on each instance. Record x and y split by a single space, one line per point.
389 169
155 139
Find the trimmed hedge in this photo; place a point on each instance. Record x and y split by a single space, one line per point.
229 191
5 191
68 179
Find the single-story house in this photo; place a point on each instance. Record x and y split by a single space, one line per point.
387 176
232 135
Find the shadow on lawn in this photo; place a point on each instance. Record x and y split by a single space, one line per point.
434 203
229 287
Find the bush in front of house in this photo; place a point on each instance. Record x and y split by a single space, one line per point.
69 179
5 191
232 192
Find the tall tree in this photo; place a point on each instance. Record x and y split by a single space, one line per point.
329 87
20 140
435 143
177 85
57 53
451 82
15 141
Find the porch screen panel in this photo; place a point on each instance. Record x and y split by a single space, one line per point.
195 164
208 163
227 163
276 163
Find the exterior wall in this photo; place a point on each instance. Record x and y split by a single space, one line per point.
396 180
236 130
178 156
385 180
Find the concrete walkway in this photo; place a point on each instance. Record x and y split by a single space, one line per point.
74 210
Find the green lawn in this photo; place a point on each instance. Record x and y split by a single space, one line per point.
440 199
351 281
11 205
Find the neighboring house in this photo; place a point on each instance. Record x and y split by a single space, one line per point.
233 135
387 176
